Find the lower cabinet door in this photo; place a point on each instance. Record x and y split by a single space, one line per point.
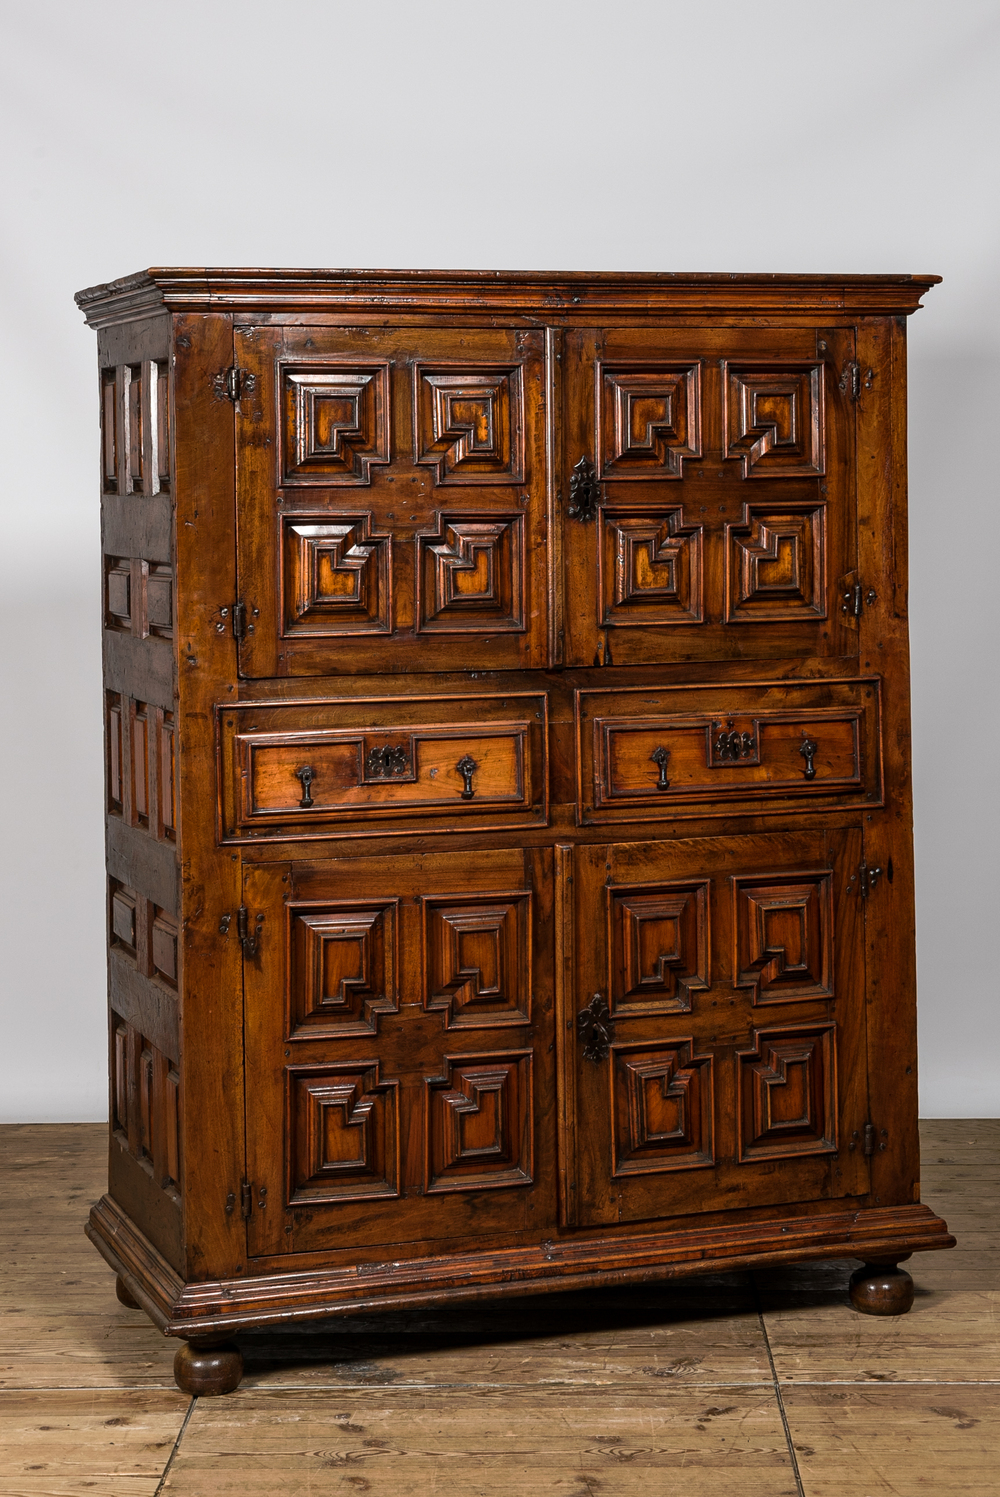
712 1025
399 1050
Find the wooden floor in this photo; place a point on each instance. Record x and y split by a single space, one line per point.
764 1385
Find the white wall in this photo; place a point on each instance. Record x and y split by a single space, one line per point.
582 134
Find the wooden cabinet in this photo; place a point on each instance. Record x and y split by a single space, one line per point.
509 840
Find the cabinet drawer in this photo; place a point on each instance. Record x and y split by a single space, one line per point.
374 766
767 747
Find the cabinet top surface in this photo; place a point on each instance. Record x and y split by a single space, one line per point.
567 294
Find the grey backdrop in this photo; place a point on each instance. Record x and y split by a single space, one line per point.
576 134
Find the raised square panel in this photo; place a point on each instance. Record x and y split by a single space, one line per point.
658 941
776 564
773 419
334 423
123 917
337 577
469 424
788 1093
113 742
650 420
651 568
471 575
343 1133
662 1107
163 947
477 959
783 925
160 600
478 1123
118 593
342 968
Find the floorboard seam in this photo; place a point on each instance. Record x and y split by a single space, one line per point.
176 1446
777 1393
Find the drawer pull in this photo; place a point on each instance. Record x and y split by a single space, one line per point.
595 1027
306 774
808 752
661 758
467 767
385 763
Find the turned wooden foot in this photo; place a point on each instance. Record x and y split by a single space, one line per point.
208 1368
124 1297
881 1288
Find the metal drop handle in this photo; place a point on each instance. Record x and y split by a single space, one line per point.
467 767
306 774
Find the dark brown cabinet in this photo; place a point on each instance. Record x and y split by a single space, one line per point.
509 841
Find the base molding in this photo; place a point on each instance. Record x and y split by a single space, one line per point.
229 1305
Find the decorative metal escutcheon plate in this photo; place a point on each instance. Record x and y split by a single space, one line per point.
595 1028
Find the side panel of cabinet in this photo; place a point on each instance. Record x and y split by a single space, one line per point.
713 1025
399 1039
708 486
391 498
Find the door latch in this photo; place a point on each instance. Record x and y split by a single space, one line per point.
866 878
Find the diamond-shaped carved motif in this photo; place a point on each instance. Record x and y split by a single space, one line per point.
651 568
478 1123
776 564
335 423
342 965
783 928
337 577
472 575
650 420
658 940
662 1107
788 1100
477 959
774 419
343 1133
468 424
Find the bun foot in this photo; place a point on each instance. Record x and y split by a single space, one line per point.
208 1368
124 1298
881 1289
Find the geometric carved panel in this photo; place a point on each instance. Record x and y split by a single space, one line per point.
478 1123
336 424
658 942
788 1100
337 577
774 419
650 420
662 1107
477 959
468 424
783 925
342 969
651 567
776 564
471 575
145 1116
343 1133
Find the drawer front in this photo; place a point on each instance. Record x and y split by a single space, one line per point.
370 767
649 753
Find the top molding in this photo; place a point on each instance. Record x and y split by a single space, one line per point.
544 294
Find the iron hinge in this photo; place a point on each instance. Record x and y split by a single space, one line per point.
871 1139
232 383
855 598
249 939
866 879
246 1200
239 615
854 379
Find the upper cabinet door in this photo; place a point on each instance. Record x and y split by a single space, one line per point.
391 499
708 488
